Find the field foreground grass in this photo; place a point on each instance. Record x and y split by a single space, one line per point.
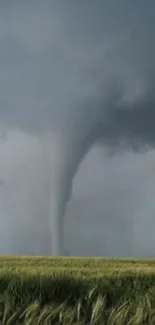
94 291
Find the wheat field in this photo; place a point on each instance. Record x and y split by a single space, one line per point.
76 291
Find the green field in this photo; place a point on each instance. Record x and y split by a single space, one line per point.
94 291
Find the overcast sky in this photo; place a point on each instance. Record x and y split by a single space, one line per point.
111 211
82 71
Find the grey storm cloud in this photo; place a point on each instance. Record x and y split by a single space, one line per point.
79 64
74 73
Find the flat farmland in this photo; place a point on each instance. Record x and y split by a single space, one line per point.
74 290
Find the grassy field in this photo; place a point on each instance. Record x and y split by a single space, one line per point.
94 291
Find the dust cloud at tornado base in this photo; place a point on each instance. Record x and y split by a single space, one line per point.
72 85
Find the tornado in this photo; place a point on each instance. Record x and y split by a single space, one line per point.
62 157
77 74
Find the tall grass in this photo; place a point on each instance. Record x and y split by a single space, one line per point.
39 290
88 311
